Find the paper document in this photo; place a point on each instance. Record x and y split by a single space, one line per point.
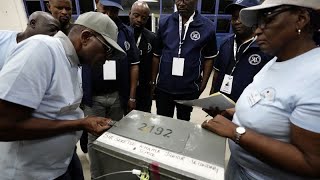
215 100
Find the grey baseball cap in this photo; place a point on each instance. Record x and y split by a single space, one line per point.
248 16
102 24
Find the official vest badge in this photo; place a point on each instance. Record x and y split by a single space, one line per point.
254 59
127 45
195 36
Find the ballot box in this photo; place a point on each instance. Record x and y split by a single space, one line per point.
163 147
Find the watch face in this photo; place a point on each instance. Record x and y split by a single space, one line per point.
241 130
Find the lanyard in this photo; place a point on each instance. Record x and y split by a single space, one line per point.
236 50
138 40
182 39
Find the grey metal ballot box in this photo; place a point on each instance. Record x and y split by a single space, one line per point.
167 148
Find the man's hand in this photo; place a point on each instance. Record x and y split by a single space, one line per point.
131 104
96 125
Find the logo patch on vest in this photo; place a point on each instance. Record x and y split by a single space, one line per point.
127 45
149 47
195 36
254 59
238 1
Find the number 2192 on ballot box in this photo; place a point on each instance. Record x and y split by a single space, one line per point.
161 148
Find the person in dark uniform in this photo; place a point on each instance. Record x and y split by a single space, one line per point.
144 38
111 97
186 45
239 58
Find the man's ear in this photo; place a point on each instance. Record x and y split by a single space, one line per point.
85 37
32 23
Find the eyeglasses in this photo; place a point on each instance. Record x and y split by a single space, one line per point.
106 47
265 18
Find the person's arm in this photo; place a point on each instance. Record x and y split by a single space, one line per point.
154 72
134 76
207 69
133 58
210 53
214 80
300 156
17 123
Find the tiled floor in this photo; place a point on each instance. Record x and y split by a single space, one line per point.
197 116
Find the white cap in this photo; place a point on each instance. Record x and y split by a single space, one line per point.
248 16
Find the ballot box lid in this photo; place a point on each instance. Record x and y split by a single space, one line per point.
181 145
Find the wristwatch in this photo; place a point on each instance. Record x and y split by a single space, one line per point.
239 132
152 83
132 99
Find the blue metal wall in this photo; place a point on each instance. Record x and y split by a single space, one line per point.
215 16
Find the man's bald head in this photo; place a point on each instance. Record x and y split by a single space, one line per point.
140 4
139 14
41 23
40 14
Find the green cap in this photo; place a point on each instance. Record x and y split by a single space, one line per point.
102 24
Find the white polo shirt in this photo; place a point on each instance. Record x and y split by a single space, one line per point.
42 73
289 93
8 41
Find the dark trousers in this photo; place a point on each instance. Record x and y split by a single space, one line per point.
74 171
166 104
144 99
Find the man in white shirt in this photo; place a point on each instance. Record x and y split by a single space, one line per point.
39 23
40 94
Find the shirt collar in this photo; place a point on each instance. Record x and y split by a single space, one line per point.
195 17
250 42
68 48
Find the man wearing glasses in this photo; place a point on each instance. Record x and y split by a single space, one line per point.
115 95
186 45
40 94
240 58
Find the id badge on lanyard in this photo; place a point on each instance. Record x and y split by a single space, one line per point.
109 70
177 66
226 86
178 62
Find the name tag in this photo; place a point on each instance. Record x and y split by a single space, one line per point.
69 108
226 86
109 70
177 66
254 98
